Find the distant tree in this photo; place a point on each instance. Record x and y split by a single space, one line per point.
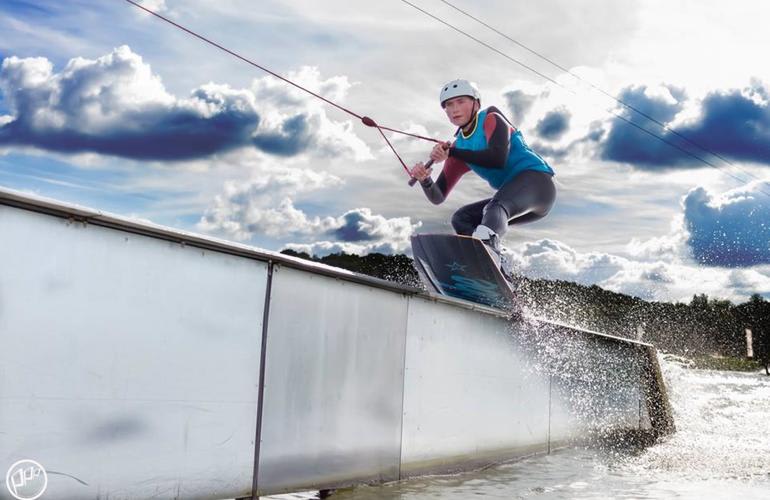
397 268
700 301
294 253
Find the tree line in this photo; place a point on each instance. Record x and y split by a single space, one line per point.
704 326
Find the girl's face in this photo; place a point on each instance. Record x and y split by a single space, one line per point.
460 109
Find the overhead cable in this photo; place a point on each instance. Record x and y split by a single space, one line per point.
612 112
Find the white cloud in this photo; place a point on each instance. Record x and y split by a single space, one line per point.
669 247
556 260
332 137
361 224
265 207
324 248
654 279
115 105
669 267
154 5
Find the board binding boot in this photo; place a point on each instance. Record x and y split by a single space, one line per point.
492 241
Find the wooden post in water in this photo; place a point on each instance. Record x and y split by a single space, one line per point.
658 406
749 344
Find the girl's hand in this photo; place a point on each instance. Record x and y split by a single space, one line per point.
421 173
440 152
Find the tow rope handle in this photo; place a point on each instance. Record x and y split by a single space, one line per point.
428 163
413 180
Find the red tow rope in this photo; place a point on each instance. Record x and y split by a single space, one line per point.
364 119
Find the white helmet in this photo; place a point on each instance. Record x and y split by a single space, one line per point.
457 88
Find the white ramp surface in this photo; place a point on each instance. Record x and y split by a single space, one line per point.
128 364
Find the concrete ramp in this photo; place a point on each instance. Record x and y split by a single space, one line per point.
140 361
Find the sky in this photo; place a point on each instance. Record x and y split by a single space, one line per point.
106 106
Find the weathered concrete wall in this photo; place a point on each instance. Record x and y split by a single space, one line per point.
138 360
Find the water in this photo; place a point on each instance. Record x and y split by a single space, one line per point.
721 450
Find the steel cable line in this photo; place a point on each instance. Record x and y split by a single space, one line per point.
364 119
620 117
592 85
371 123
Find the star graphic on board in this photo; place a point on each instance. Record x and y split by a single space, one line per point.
454 266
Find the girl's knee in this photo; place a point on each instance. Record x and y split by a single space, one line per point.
461 225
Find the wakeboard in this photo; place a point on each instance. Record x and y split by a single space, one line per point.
461 267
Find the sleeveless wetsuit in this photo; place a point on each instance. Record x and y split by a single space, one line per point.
496 151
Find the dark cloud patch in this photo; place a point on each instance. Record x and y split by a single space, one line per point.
519 102
625 143
550 152
553 125
663 109
733 123
594 135
115 105
163 135
733 231
294 137
658 274
355 226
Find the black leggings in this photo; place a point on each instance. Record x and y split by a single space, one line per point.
526 198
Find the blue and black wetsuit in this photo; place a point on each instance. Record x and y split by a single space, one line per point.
496 151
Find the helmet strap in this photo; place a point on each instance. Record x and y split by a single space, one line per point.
474 114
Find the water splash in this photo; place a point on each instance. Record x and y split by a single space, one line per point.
723 425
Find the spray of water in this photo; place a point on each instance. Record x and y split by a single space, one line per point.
723 426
